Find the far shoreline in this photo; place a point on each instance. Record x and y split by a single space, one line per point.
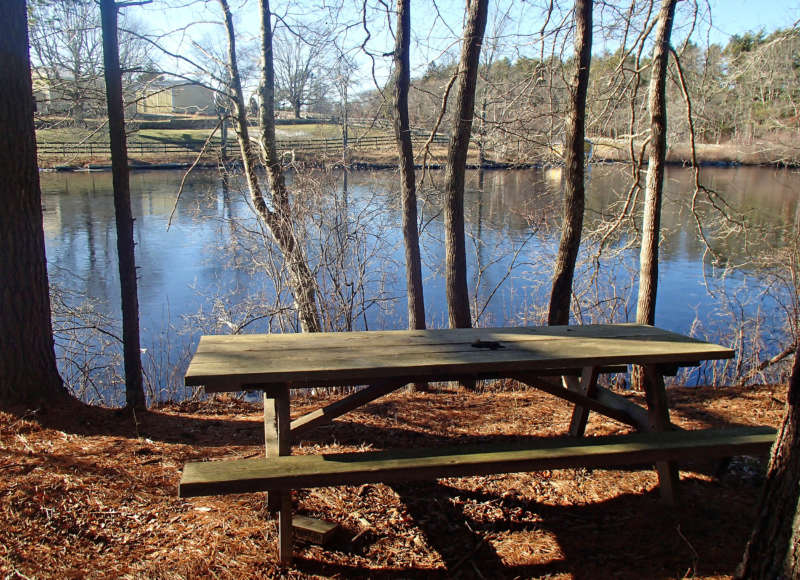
605 151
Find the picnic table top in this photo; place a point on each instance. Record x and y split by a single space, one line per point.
235 362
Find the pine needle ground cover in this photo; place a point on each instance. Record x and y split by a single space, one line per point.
88 492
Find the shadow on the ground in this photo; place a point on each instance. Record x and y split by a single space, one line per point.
629 536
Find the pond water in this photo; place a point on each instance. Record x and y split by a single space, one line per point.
208 272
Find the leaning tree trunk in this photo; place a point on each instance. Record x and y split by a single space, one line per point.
774 547
278 218
654 182
574 161
455 246
28 371
134 384
402 131
282 222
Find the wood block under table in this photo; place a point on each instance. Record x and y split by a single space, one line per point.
313 530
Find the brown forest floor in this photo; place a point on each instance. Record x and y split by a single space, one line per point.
93 494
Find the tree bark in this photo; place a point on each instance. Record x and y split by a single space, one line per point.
134 384
408 180
282 223
278 218
654 182
574 162
408 186
774 547
28 371
455 247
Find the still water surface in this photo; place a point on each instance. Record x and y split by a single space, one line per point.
512 228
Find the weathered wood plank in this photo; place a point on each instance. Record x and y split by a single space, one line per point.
276 434
610 400
658 413
295 472
276 423
586 385
272 388
232 362
329 412
285 539
407 338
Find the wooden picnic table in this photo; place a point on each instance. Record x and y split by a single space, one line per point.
562 360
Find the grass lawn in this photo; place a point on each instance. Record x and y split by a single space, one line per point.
287 132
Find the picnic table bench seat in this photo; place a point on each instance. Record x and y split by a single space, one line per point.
291 472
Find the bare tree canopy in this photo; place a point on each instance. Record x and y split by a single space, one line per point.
67 53
300 65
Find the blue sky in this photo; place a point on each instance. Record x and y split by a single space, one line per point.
737 16
437 32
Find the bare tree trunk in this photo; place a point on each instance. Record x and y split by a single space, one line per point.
28 371
574 150
279 218
654 182
408 185
402 131
223 133
774 547
134 384
301 278
455 248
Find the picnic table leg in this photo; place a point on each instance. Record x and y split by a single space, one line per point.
285 531
586 385
276 437
658 411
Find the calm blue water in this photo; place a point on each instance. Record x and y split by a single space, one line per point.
209 273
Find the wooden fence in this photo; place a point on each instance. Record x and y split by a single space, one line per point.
140 147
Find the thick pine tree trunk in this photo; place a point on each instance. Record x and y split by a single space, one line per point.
408 186
134 383
28 371
774 547
574 161
654 182
454 241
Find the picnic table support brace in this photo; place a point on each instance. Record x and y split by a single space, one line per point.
276 437
328 413
658 410
605 402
